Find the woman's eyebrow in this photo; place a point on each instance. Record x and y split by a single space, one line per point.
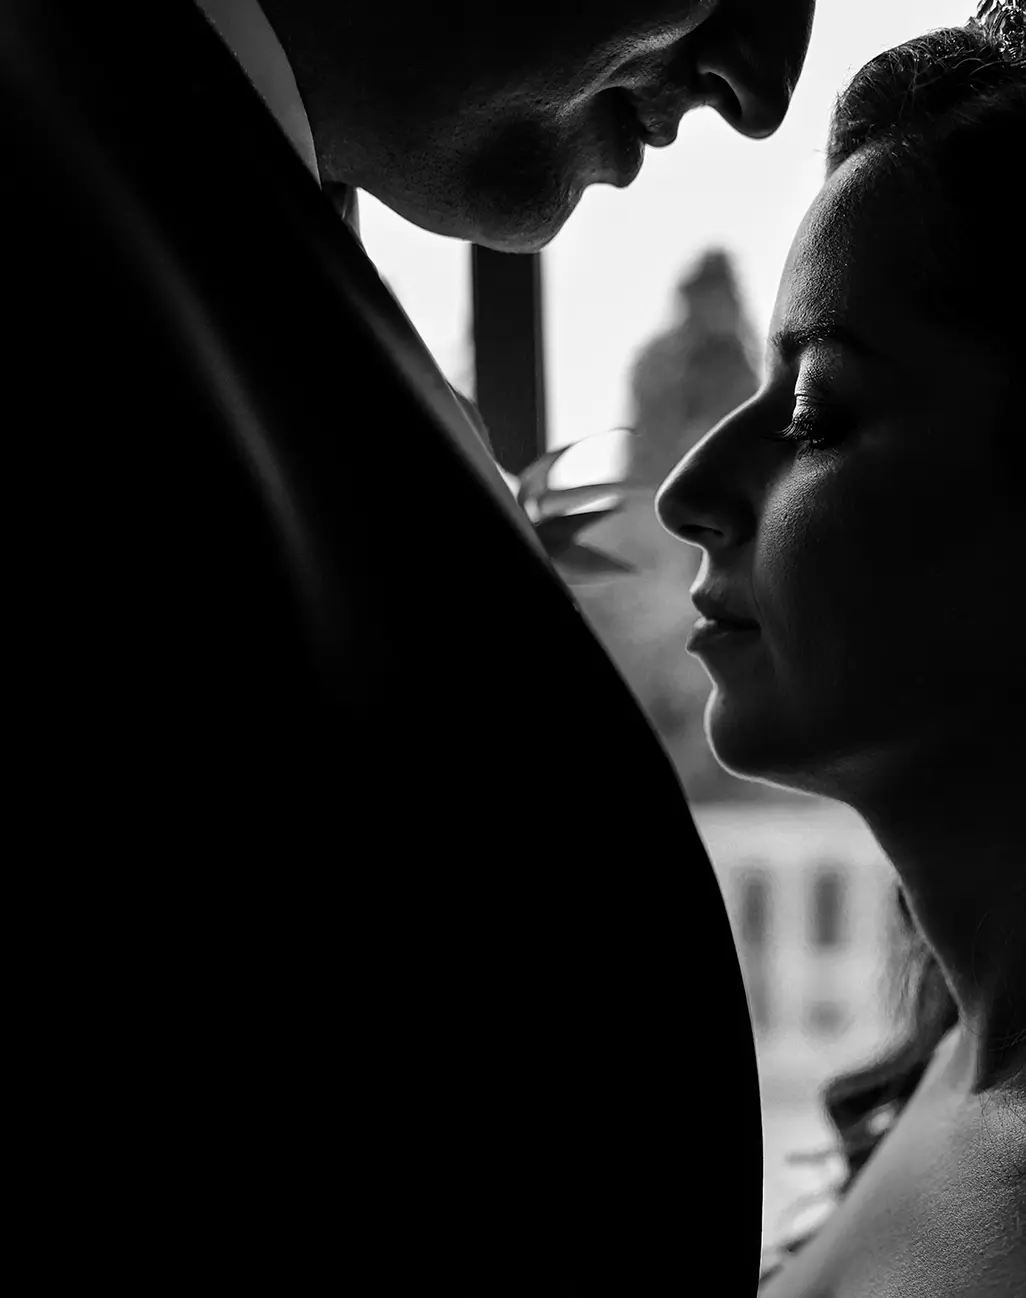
789 343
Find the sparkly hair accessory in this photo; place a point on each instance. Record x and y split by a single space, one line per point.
1005 22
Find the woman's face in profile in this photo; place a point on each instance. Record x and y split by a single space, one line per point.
878 545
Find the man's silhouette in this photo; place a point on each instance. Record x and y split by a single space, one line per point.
357 979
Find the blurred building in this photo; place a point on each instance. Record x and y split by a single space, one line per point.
686 379
812 906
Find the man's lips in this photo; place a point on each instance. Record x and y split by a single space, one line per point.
657 120
637 118
623 138
659 109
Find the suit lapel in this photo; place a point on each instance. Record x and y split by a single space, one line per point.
398 337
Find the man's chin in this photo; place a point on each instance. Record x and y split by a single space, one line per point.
517 242
512 235
509 228
526 228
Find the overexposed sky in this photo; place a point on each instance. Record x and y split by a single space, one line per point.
609 275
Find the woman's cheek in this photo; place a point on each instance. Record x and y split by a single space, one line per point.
820 566
795 530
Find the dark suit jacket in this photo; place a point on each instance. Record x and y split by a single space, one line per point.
374 936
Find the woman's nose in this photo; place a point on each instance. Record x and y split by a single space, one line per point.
707 499
684 513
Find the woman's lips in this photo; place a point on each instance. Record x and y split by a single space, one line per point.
710 635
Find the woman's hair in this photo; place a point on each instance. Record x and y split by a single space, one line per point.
946 113
944 116
862 1105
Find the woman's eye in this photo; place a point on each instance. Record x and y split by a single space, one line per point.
813 426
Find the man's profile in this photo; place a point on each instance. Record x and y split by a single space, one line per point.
487 121
342 1017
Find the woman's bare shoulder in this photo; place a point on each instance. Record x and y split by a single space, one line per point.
938 1211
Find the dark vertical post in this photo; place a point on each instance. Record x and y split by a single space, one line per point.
508 354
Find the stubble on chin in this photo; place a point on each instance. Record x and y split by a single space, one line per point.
519 189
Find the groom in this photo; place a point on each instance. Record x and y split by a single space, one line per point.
358 970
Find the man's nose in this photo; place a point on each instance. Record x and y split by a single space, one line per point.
751 56
752 107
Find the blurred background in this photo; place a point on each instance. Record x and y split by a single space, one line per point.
653 305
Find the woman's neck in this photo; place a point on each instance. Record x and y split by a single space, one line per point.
958 849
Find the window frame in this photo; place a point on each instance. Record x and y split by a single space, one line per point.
509 357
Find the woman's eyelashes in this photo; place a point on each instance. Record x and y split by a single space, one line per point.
814 424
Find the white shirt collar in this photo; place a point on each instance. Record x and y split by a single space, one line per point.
244 28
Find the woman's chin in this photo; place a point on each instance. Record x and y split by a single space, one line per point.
761 750
751 744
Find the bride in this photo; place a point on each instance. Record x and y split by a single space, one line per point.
863 527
